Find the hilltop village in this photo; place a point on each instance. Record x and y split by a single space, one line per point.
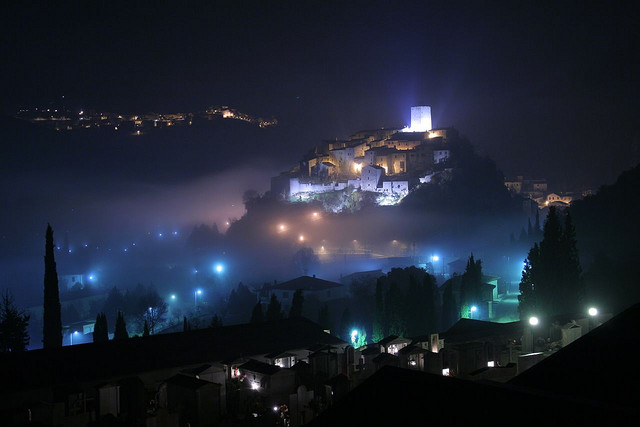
387 162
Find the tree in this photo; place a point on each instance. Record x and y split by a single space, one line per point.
323 317
427 295
296 304
100 330
536 229
121 328
152 308
527 305
413 308
51 317
470 287
257 316
145 329
113 304
305 259
185 325
274 309
450 312
394 310
344 330
14 336
551 280
216 322
378 316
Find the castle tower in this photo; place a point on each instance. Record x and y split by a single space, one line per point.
420 118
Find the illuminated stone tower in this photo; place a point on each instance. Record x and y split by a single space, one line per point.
420 118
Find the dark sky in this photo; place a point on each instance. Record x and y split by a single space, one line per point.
546 89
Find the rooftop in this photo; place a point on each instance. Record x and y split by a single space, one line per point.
306 283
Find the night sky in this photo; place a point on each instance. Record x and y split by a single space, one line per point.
547 89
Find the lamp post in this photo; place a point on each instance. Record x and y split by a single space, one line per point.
472 310
593 313
195 297
74 333
533 321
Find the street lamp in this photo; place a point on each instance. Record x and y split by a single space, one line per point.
219 268
173 297
533 322
473 310
593 311
74 333
195 296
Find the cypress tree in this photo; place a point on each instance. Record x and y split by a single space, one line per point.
100 329
274 309
145 330
121 328
413 307
529 228
257 316
537 231
216 322
296 304
378 315
571 271
185 324
51 317
470 286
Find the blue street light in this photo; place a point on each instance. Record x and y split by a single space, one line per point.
219 268
173 297
74 333
473 310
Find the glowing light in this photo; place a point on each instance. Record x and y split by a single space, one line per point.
533 321
86 245
159 234
446 372
315 215
199 292
75 332
91 277
413 363
357 167
354 336
282 227
219 268
435 258
491 364
593 311
301 238
254 385
474 308
175 233
173 297
227 223
432 135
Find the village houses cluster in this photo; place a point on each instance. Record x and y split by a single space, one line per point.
388 161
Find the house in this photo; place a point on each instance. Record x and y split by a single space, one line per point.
58 386
311 286
488 293
197 402
393 343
